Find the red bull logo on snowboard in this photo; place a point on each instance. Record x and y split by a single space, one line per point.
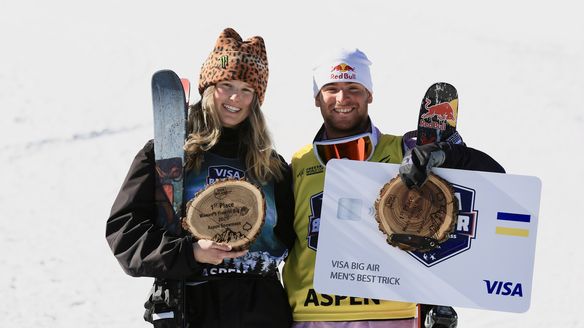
444 113
343 72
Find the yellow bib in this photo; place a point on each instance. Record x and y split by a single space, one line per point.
298 273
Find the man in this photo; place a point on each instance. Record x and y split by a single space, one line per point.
343 91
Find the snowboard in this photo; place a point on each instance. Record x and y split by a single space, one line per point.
170 106
437 122
438 114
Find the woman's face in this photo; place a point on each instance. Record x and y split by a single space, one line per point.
233 101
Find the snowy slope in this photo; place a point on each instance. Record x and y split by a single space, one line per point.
75 105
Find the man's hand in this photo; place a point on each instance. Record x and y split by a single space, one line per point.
418 161
208 251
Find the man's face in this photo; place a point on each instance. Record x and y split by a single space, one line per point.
343 106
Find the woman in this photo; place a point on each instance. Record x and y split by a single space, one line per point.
202 282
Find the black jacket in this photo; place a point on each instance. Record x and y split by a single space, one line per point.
459 156
141 247
144 249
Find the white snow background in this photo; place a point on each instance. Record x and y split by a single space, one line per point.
75 108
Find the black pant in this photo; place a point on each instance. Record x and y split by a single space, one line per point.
238 303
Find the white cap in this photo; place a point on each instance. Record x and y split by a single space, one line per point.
344 65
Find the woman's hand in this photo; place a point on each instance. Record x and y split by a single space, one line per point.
208 251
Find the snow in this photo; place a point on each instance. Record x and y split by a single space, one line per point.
76 107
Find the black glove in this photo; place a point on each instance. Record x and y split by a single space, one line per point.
418 161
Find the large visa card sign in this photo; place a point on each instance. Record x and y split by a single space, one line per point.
487 263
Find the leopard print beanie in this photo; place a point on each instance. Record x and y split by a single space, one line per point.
235 59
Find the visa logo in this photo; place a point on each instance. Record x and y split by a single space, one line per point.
223 172
504 288
227 173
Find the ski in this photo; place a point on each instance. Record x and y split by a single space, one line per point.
170 107
170 125
186 84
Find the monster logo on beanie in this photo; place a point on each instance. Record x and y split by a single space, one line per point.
235 59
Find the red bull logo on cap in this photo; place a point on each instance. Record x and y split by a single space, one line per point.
342 72
342 68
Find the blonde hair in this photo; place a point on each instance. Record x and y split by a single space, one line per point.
204 126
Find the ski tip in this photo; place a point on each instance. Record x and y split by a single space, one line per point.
164 72
164 76
187 88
